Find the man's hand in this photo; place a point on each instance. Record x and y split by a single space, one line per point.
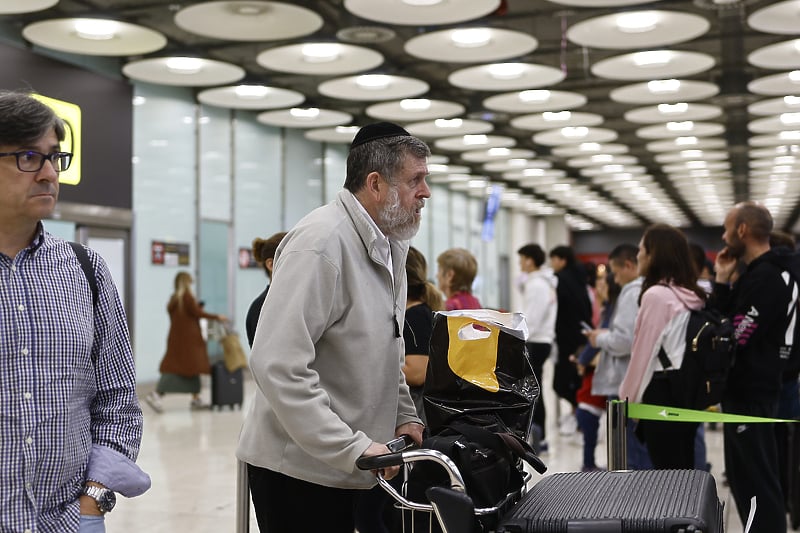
412 429
376 448
724 266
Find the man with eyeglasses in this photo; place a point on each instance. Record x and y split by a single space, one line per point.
70 422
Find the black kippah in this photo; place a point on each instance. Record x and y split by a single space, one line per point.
379 130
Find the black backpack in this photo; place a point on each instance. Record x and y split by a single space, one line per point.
707 359
789 351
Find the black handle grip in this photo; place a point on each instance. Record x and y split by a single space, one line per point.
376 462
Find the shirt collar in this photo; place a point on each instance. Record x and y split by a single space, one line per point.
382 244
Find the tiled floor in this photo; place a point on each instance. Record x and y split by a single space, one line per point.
189 455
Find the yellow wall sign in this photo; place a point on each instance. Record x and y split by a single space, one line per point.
71 115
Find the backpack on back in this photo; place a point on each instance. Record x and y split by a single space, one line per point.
789 351
707 358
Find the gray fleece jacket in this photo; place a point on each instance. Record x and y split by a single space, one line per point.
325 356
615 344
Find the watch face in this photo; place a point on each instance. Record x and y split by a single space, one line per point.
107 501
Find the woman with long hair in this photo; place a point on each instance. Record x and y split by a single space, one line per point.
423 299
187 356
669 288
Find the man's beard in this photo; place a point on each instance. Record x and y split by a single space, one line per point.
736 247
395 221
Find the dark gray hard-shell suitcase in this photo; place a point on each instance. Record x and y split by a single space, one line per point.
645 501
227 388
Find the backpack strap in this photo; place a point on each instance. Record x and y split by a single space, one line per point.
88 269
663 359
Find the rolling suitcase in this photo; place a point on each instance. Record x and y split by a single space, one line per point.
227 388
643 501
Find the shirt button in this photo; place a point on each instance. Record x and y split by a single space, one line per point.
24 351
27 395
29 440
13 268
28 531
21 307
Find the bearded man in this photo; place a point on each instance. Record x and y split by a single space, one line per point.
756 299
328 347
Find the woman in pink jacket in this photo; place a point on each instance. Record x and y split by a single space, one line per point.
668 291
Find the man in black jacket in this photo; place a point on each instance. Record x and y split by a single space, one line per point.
756 302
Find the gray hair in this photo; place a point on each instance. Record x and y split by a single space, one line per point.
385 156
24 119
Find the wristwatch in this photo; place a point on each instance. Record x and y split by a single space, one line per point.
105 498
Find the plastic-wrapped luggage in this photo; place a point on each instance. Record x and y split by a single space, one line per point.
643 501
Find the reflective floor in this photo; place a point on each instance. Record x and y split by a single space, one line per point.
189 455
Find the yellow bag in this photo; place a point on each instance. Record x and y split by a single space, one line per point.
232 352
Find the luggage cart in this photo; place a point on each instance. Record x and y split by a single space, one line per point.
450 509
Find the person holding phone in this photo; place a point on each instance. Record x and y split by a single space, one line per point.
755 298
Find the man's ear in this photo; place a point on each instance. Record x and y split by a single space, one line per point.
373 184
741 230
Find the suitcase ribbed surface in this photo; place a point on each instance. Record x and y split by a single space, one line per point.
632 502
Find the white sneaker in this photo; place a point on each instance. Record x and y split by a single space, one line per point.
154 401
568 425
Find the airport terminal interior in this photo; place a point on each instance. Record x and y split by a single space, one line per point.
198 126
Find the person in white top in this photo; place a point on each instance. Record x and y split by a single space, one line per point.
540 306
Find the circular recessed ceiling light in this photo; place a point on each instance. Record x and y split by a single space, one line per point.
414 109
638 29
653 64
427 13
253 20
505 77
781 17
183 71
250 97
471 45
304 118
14 7
785 55
776 84
373 87
534 100
96 37
320 58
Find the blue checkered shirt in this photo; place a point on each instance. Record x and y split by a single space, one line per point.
68 385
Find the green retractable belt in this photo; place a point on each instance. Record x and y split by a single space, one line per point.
643 411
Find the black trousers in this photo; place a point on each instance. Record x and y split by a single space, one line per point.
669 444
284 504
751 464
538 354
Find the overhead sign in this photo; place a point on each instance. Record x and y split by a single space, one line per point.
71 115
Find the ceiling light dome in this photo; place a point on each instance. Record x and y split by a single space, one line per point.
375 82
96 29
415 104
321 52
471 37
448 123
422 2
307 114
637 22
251 91
663 86
506 71
184 65
652 58
668 109
534 95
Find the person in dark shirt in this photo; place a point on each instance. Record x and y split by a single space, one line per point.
574 307
264 254
756 303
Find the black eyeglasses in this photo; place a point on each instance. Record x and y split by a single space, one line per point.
32 161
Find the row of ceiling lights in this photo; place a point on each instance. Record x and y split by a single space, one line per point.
697 174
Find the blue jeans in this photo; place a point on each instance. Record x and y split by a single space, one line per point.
92 524
589 423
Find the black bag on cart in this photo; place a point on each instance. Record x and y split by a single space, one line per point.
227 388
479 372
642 501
